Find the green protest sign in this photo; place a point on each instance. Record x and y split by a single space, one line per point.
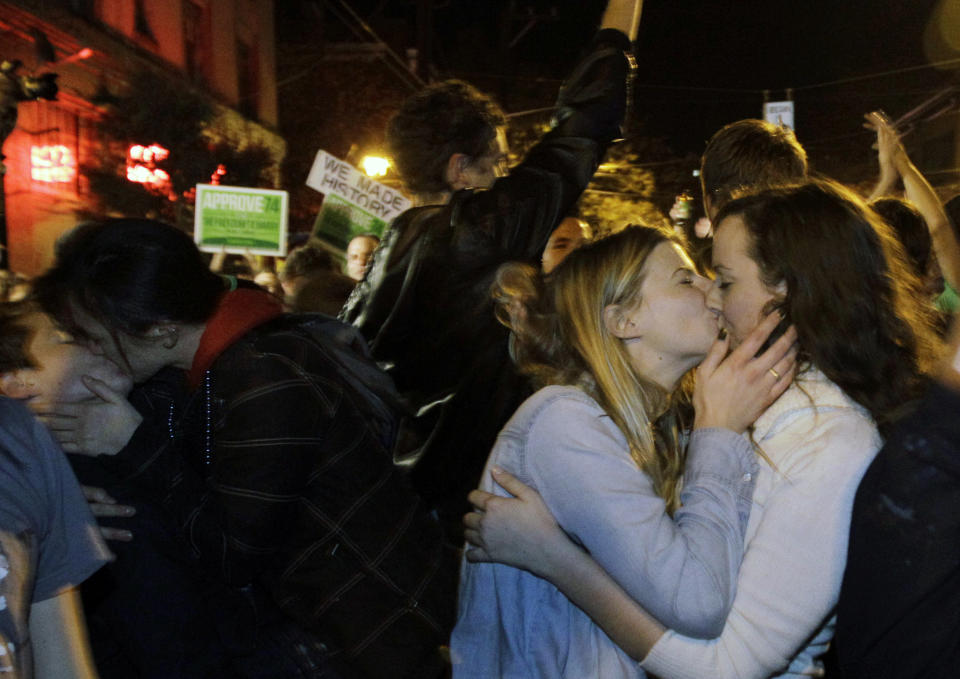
238 219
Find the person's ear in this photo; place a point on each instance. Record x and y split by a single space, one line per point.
16 385
168 333
618 323
455 175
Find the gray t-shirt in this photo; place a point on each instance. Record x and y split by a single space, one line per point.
49 540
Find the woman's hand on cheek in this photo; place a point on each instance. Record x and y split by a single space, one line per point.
733 391
518 531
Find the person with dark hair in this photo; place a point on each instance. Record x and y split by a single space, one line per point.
359 252
324 292
567 237
834 270
911 230
447 137
749 153
42 363
424 304
277 467
302 264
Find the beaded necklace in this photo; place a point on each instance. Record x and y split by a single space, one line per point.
208 420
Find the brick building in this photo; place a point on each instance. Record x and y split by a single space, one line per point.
222 48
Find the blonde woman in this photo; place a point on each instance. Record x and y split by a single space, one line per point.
611 335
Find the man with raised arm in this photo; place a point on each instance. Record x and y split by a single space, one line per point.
425 304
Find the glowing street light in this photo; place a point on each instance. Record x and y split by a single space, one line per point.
375 166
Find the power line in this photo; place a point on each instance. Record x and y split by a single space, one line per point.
408 78
726 90
366 27
869 76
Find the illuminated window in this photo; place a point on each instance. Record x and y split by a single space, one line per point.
142 168
52 164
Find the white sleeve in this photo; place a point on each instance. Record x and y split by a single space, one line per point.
791 572
683 570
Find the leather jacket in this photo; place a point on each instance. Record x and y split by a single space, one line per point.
425 306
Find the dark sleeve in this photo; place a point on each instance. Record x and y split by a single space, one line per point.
159 401
521 210
234 496
899 609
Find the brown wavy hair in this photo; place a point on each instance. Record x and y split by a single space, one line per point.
850 292
559 337
445 118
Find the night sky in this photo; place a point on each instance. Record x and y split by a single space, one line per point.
703 63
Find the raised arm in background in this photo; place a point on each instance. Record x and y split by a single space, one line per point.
894 162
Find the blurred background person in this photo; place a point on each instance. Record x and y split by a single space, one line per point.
567 237
302 264
359 253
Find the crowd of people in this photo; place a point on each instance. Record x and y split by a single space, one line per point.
723 449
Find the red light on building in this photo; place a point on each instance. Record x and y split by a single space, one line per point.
217 174
52 164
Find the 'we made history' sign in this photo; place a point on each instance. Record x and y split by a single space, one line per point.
237 220
353 203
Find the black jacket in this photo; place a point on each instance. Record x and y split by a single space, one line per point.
899 610
278 472
425 304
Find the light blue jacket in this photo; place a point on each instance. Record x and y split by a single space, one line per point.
683 570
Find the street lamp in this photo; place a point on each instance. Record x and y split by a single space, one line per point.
375 166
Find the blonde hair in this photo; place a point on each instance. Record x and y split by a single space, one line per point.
559 337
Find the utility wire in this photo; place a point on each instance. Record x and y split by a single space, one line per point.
363 24
736 90
897 71
408 78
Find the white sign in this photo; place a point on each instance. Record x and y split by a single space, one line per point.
332 175
779 113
